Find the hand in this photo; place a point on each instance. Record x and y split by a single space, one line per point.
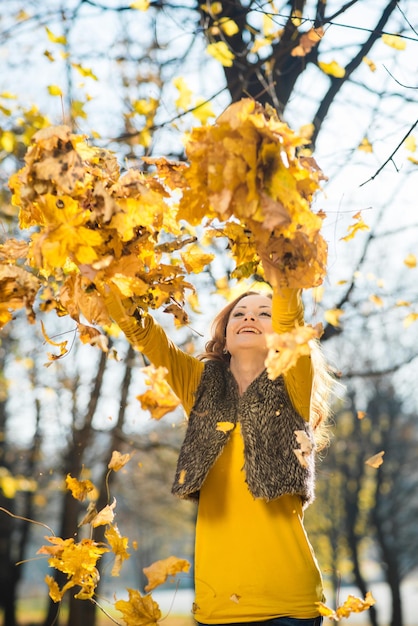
271 271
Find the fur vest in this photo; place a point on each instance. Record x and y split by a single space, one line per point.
278 442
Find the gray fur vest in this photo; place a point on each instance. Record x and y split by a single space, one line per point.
278 442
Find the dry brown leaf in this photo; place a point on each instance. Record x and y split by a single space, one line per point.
376 460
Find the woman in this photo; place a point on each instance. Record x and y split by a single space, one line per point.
241 459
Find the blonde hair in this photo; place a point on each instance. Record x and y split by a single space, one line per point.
323 380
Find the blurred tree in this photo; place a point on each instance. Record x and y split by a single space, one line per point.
363 511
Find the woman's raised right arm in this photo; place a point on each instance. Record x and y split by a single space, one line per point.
145 335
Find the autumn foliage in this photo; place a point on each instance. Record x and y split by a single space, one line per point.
86 225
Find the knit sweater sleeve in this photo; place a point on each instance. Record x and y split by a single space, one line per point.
287 312
145 335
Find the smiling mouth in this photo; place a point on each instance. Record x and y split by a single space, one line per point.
249 329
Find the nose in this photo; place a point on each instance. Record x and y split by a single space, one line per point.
249 315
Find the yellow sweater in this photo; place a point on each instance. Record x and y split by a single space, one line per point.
253 560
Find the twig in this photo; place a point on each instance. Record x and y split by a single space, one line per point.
390 157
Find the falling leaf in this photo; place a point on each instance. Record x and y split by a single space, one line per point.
228 26
376 460
410 260
202 110
54 90
353 229
221 52
394 41
80 489
105 515
410 319
333 69
361 415
86 72
119 460
138 610
184 99
140 5
410 143
119 546
307 41
160 399
306 447
78 561
371 64
182 477
195 260
285 349
60 39
332 316
365 145
377 300
225 427
158 572
351 605
235 598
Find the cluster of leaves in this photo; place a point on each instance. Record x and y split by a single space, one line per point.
89 226
78 559
249 172
349 606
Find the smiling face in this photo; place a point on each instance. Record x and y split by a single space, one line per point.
248 325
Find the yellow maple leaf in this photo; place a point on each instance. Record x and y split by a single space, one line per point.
140 5
410 260
119 460
54 90
221 52
65 234
361 415
377 300
80 489
351 605
119 546
353 229
184 99
332 69
60 39
365 145
78 561
86 72
160 399
371 64
376 460
195 260
285 349
410 143
159 571
228 26
138 610
410 319
394 41
54 590
202 110
332 316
